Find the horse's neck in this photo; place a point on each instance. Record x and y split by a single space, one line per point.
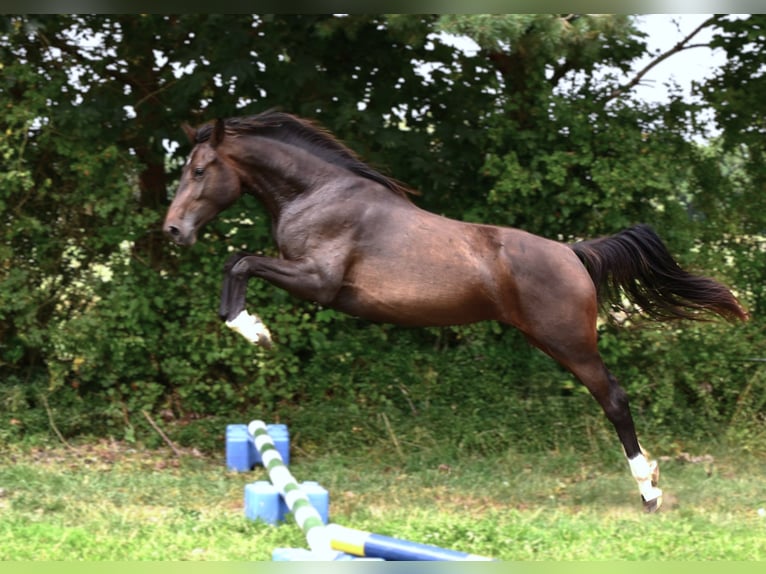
278 173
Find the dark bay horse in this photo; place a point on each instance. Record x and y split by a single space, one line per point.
350 239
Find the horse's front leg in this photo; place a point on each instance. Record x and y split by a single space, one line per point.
229 307
232 307
306 279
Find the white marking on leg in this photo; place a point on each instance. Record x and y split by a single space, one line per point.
251 328
643 471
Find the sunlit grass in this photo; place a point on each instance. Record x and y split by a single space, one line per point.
107 501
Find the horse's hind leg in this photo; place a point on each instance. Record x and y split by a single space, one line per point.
614 401
574 346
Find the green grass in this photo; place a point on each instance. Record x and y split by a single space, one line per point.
109 501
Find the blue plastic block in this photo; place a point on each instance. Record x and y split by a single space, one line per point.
263 502
291 555
303 555
240 450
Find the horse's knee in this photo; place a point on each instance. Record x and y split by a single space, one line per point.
232 260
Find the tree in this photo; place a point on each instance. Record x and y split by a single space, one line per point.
570 151
93 103
98 308
738 165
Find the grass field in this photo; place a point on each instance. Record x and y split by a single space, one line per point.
107 500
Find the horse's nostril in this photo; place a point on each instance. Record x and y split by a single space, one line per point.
173 231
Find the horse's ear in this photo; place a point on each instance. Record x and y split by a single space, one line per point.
190 132
218 133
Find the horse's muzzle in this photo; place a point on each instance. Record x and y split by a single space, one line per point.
180 236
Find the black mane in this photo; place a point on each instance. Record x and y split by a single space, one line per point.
307 135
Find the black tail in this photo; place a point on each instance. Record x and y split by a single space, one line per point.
637 263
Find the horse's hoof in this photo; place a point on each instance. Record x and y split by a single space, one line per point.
264 340
251 328
652 505
654 467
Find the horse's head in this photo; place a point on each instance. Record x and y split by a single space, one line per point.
209 184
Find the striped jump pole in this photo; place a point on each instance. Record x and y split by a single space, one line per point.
305 514
369 545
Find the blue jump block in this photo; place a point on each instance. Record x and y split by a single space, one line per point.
241 454
263 502
303 555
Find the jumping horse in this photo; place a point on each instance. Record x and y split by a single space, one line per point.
350 239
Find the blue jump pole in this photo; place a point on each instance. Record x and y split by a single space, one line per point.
369 545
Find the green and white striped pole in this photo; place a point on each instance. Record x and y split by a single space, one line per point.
307 517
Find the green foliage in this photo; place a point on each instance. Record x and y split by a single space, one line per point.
565 158
101 319
734 89
736 162
706 376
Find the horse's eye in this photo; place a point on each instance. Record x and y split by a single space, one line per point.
199 171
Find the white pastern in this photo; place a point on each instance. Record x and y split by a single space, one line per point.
251 328
643 471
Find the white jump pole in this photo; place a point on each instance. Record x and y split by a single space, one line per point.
304 512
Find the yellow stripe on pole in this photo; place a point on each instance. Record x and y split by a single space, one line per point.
348 540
